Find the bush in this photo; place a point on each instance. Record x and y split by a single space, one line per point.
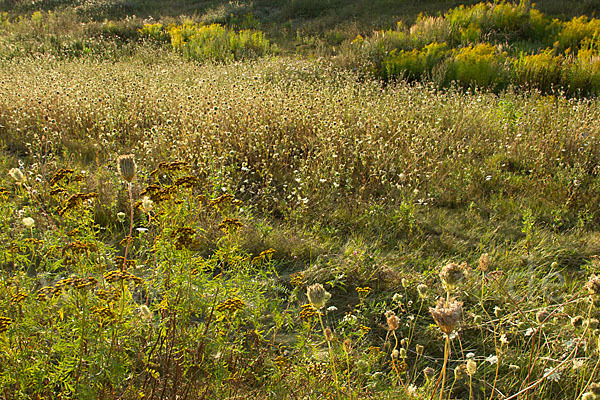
215 42
413 64
481 65
542 70
576 31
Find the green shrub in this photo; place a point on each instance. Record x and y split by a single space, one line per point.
481 65
154 32
541 70
414 63
215 42
501 18
576 30
581 75
431 29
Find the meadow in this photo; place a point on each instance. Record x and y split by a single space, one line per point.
242 204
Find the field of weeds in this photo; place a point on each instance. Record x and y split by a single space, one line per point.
276 226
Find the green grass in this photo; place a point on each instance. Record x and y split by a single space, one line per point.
258 177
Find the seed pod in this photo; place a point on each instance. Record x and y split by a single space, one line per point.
126 166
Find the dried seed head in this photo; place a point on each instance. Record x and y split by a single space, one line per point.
484 262
17 175
588 396
452 274
28 222
393 322
147 204
459 371
317 295
541 316
121 216
422 290
471 367
395 354
347 345
577 321
592 323
402 353
145 311
328 334
447 315
126 166
593 285
420 349
429 373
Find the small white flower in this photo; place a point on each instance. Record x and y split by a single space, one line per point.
578 363
529 331
349 318
28 222
142 230
470 355
503 339
412 390
492 359
331 308
552 375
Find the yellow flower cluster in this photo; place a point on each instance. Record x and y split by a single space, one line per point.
230 305
307 312
4 324
117 275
